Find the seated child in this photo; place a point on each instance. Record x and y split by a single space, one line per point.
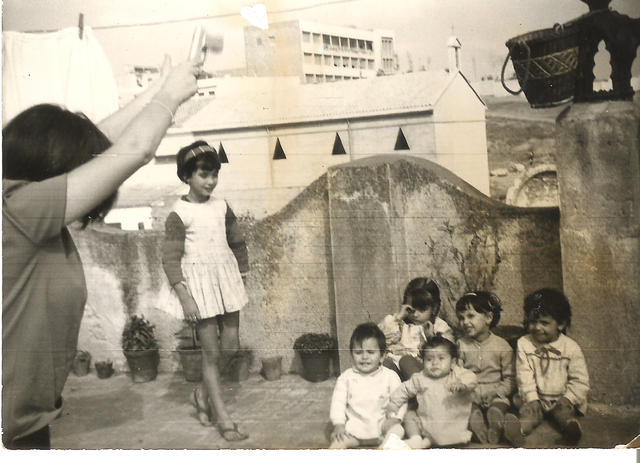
361 394
415 322
550 370
444 391
491 358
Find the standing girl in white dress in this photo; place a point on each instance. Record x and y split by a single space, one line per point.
205 258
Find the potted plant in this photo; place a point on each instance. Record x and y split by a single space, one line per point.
81 363
190 353
315 350
104 369
141 349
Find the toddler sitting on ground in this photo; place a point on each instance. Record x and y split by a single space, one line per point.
361 394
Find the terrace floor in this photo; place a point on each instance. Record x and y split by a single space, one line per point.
289 413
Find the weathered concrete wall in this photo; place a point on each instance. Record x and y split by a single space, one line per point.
124 276
339 254
290 285
395 219
599 183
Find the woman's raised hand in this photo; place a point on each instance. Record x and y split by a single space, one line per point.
179 82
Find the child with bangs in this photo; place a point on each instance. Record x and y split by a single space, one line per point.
491 358
205 259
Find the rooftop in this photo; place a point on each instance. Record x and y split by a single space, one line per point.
285 101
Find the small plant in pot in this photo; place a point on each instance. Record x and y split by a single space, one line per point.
315 350
141 349
190 353
81 363
104 369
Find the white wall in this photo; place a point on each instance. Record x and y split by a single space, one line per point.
308 151
460 134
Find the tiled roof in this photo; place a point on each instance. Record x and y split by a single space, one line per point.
284 102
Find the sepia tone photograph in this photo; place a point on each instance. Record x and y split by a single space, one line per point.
321 224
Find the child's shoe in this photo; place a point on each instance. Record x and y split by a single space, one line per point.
572 432
418 442
495 417
478 426
394 442
513 430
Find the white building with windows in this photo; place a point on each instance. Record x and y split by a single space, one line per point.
319 52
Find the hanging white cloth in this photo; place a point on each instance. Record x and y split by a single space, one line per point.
57 67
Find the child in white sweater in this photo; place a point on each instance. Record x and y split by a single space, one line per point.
361 394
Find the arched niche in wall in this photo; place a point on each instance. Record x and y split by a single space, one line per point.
535 187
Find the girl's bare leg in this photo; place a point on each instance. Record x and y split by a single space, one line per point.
212 390
229 336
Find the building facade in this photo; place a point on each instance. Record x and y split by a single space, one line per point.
318 52
276 135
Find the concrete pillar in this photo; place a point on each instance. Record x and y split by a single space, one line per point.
598 157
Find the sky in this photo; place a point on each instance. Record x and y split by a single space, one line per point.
421 27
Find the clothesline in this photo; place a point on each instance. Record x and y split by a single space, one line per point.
198 18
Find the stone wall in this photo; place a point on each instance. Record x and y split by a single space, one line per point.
396 219
599 183
339 254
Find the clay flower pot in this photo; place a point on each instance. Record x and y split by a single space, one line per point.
315 350
104 369
191 360
143 364
272 368
81 363
316 366
238 368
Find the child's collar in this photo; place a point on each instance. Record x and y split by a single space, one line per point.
368 374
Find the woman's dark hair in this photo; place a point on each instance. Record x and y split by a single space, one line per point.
482 302
547 301
437 341
197 154
45 141
422 293
366 331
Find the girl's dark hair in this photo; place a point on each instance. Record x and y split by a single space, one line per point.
482 302
547 301
366 331
437 341
197 154
45 141
422 293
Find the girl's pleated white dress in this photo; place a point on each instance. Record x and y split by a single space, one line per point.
208 264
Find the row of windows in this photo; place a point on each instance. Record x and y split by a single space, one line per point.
339 61
315 78
387 46
387 64
333 42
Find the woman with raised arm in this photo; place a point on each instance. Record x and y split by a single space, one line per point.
59 167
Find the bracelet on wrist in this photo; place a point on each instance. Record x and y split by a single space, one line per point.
162 105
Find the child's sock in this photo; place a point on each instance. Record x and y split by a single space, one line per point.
513 430
478 426
495 417
572 432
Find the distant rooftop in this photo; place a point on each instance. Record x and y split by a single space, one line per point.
284 101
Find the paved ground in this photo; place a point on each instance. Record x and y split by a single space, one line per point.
290 413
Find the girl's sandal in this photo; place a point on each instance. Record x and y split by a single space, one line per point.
232 434
201 410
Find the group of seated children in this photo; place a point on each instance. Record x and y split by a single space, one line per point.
411 379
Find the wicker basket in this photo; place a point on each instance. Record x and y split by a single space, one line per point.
545 62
